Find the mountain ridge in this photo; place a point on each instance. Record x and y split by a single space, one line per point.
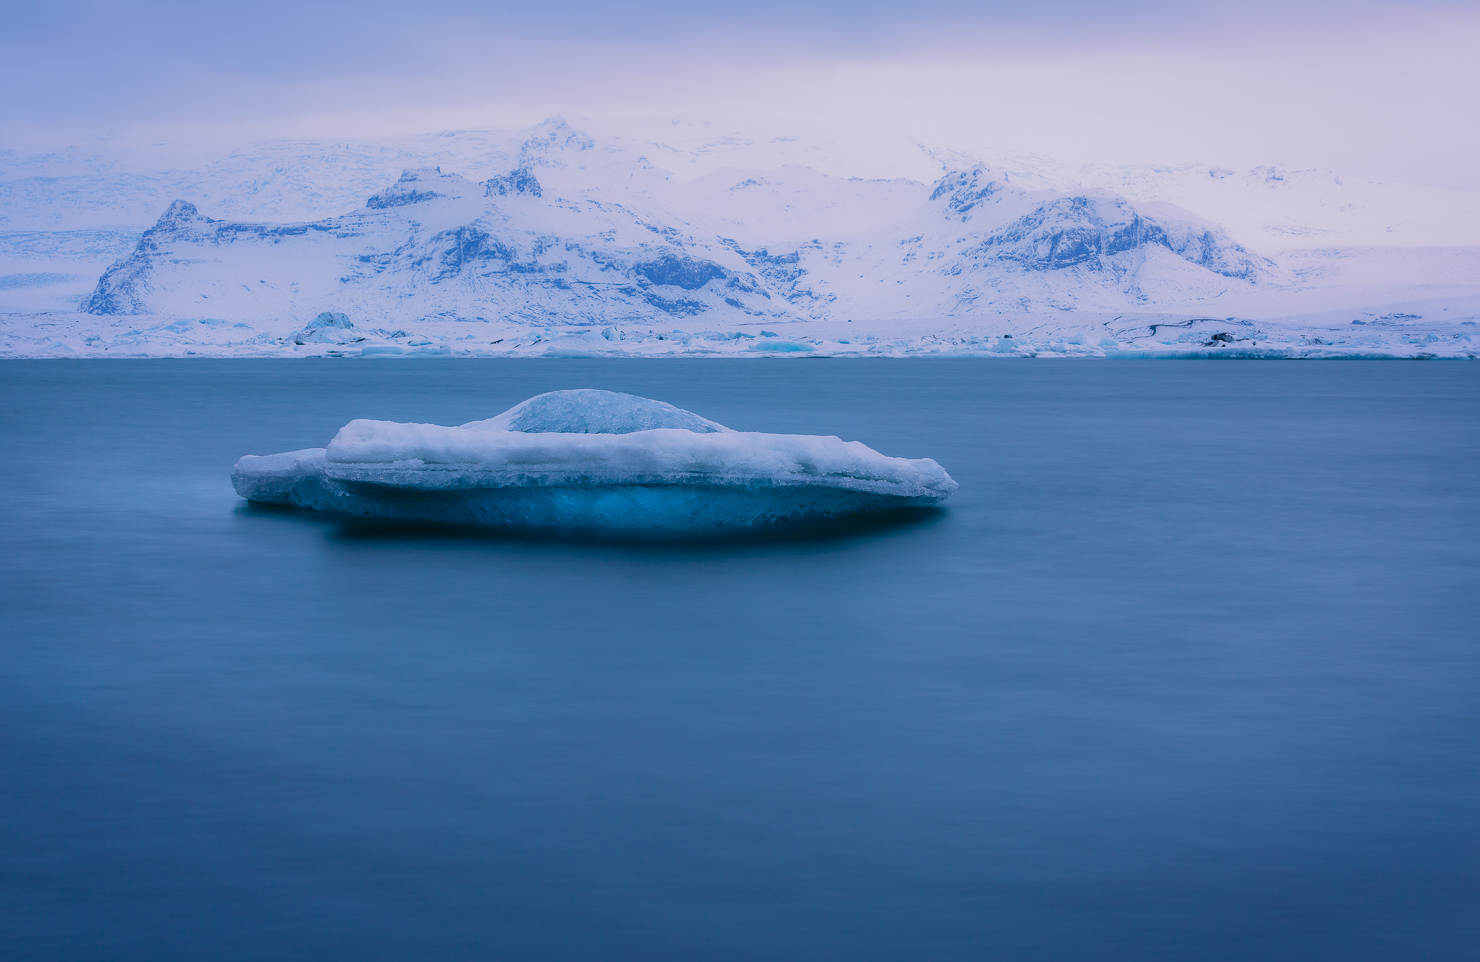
689 226
972 240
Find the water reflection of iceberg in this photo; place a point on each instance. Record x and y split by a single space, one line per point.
590 460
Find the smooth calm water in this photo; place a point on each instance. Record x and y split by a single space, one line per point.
1190 669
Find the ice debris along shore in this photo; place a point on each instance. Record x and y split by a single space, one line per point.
592 461
1366 334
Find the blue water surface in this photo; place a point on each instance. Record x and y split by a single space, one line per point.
1188 669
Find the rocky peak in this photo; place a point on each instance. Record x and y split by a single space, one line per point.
549 139
418 185
966 190
517 181
180 214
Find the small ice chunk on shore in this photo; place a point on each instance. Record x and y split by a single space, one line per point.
593 460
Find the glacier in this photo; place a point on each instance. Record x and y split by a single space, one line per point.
552 241
591 461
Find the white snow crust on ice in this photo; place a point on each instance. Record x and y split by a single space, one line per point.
590 460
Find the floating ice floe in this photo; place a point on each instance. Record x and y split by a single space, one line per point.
590 460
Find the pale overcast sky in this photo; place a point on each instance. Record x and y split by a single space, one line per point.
1378 89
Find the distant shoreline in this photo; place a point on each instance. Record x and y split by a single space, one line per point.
1337 335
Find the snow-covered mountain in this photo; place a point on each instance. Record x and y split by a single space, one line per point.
436 245
694 229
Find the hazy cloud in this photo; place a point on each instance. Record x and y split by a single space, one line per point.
1380 88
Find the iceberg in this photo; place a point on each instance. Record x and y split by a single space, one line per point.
596 461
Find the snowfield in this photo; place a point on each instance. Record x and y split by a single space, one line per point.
553 242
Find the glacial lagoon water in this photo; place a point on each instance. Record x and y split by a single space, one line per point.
1188 668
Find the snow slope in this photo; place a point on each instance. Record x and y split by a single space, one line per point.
711 235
